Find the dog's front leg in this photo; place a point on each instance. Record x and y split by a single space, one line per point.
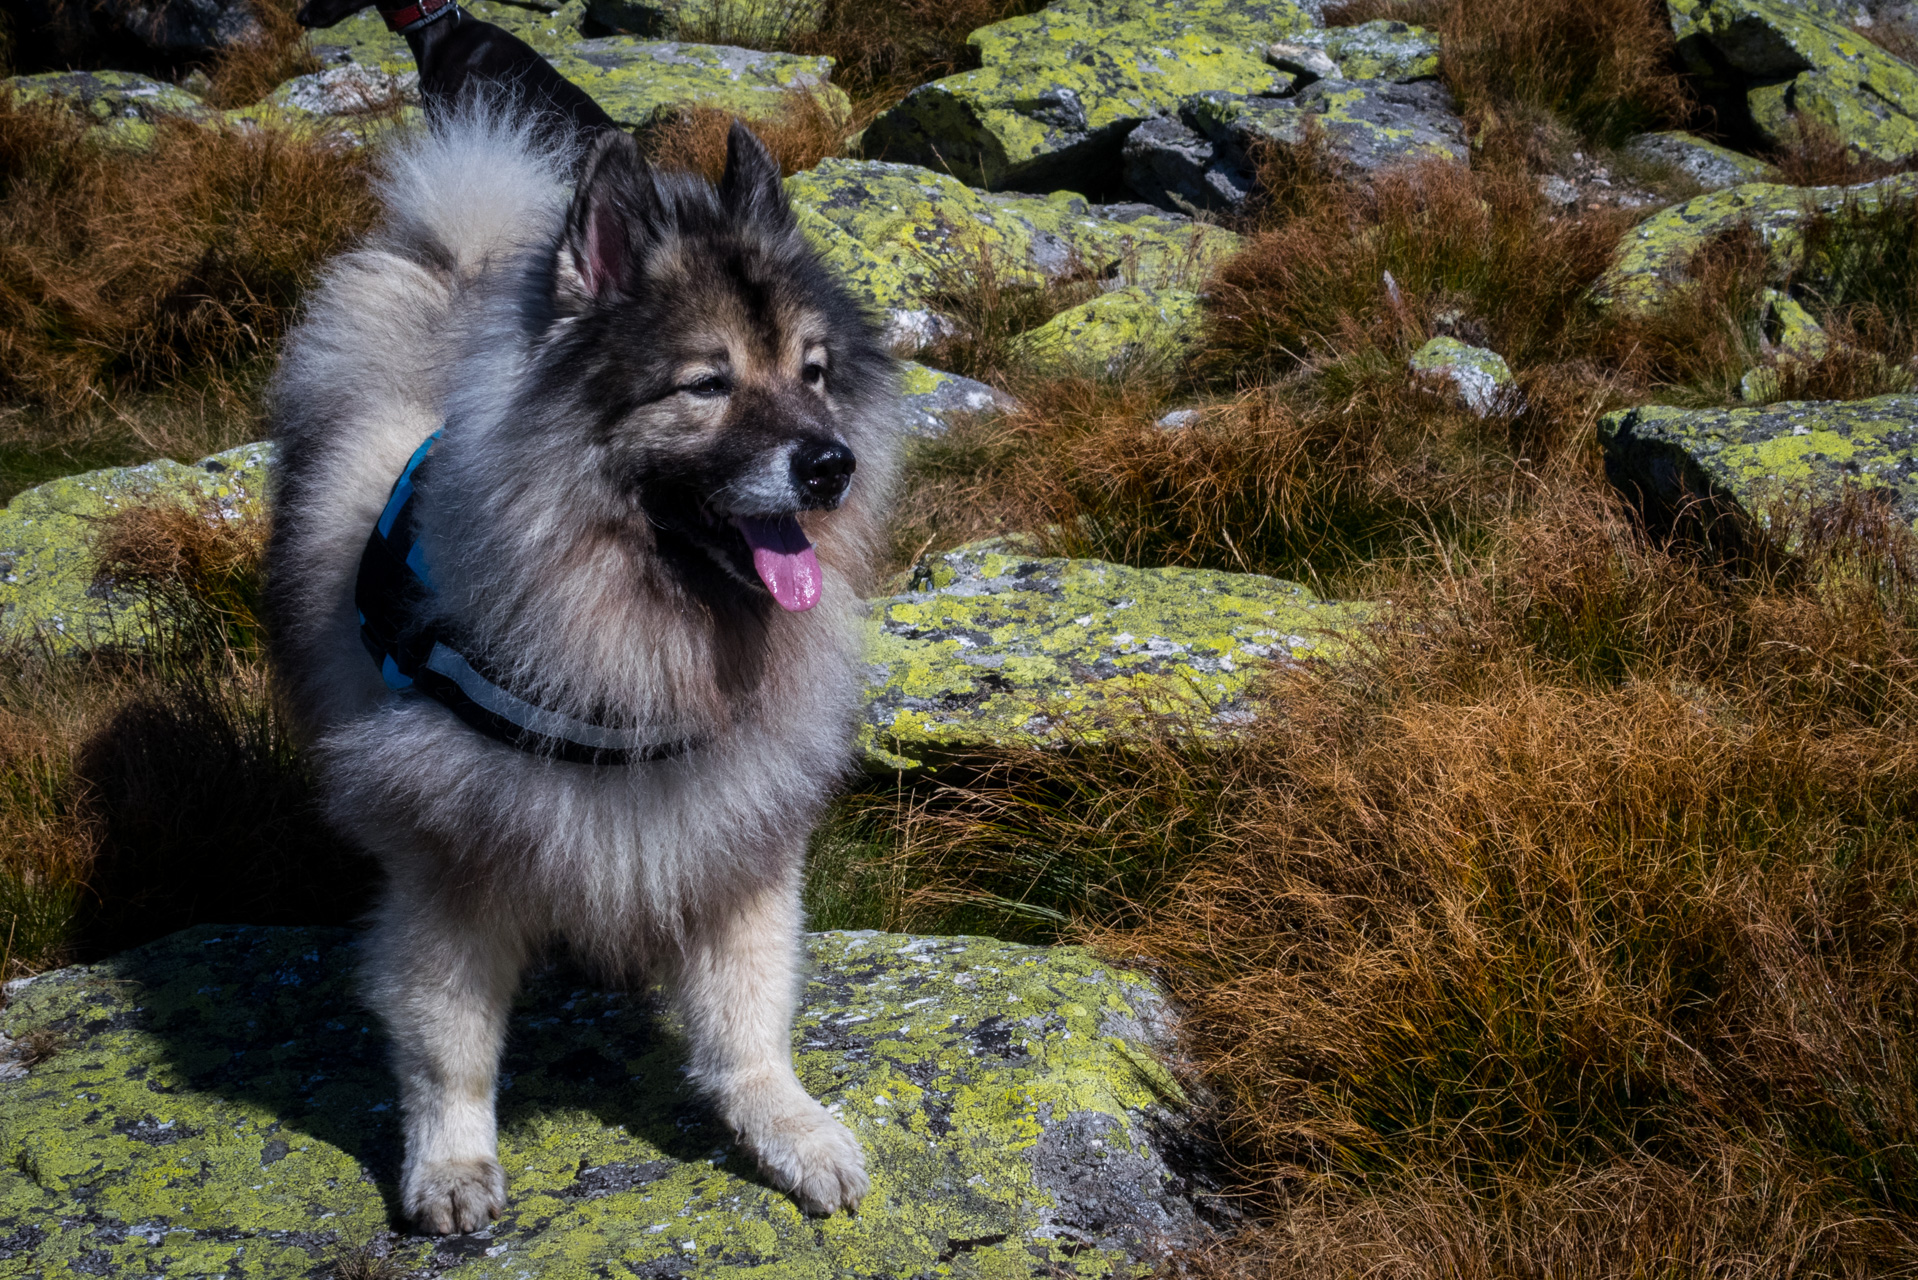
739 988
443 983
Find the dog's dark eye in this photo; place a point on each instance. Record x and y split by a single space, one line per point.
712 384
814 374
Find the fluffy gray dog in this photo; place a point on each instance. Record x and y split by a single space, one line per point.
585 664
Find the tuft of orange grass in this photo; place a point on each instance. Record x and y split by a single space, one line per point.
122 269
248 71
1608 68
1568 928
799 133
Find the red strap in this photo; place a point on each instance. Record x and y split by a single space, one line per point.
416 14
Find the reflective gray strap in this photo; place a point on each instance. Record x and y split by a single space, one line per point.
548 724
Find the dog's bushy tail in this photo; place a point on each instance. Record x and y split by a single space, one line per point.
484 179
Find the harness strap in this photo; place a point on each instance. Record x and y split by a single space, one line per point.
412 17
394 595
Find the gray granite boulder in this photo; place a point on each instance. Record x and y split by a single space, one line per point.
1205 159
935 398
217 1104
1750 462
1709 165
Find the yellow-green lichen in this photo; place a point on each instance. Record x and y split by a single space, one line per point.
897 234
123 104
1798 63
1751 459
635 81
994 647
1056 91
219 1105
1116 331
1378 50
48 592
933 398
1368 125
1657 253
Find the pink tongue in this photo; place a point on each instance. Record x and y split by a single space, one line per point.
784 560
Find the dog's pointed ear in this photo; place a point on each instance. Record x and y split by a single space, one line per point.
750 188
609 224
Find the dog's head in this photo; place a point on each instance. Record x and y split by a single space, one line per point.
717 355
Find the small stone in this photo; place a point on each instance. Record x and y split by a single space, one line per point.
1378 50
1303 60
1709 165
934 398
1178 419
1558 191
1479 377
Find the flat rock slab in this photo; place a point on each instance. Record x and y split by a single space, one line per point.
1204 159
638 81
1796 64
1709 165
1057 91
1115 331
1795 452
994 647
48 589
896 234
218 1104
1656 255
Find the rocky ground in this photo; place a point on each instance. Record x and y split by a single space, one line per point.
1412 554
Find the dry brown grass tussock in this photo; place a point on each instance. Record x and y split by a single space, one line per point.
799 134
1569 930
1608 68
123 269
247 72
1475 252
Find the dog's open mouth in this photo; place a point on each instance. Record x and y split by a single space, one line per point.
783 559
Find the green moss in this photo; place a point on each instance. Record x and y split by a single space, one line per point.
1797 62
895 232
220 1106
1056 91
996 647
1656 253
1116 331
1750 459
47 589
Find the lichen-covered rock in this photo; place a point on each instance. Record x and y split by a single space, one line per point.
124 104
346 90
218 1103
48 592
1794 62
1656 254
934 398
1479 377
177 27
1205 159
1116 331
1748 460
994 647
1057 91
636 81
1378 50
760 23
898 233
1706 163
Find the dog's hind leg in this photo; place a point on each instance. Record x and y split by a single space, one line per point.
738 987
443 980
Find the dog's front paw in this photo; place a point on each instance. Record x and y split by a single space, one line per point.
454 1195
813 1157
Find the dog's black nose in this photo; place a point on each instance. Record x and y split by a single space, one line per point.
822 469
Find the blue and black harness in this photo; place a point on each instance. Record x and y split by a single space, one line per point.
394 595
